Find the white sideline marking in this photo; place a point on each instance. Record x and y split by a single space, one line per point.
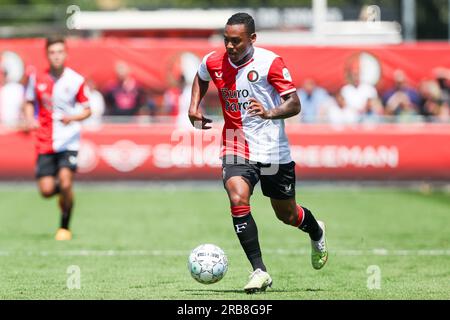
135 253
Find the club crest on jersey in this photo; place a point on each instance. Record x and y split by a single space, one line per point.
42 86
252 76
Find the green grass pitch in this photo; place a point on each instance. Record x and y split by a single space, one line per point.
133 243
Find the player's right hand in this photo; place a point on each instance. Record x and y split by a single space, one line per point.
199 121
31 124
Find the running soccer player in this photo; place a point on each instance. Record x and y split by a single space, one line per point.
256 93
54 94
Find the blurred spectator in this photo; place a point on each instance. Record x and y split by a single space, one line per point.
443 113
337 111
357 94
151 105
400 105
442 76
402 100
176 102
11 101
171 99
97 104
431 99
185 100
125 97
373 113
312 97
401 88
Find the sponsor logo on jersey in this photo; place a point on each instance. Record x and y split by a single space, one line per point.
253 76
218 74
231 98
234 94
236 106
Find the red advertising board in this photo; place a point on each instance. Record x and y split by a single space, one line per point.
150 152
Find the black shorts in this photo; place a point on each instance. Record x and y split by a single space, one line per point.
50 164
277 180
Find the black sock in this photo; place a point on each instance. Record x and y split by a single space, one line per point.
310 225
247 232
65 218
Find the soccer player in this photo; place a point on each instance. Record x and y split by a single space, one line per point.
54 95
256 93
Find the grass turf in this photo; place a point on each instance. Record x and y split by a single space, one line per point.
165 224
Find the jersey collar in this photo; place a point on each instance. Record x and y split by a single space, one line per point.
52 77
242 65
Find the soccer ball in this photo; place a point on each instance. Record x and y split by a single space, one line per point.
207 263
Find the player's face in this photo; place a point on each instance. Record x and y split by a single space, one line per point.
56 55
237 41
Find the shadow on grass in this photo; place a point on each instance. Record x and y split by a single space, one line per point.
41 236
30 236
209 291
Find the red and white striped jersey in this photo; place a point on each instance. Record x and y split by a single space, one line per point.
265 78
53 99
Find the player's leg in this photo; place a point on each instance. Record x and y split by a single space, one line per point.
65 176
280 187
239 192
291 213
300 217
46 168
239 181
67 167
47 186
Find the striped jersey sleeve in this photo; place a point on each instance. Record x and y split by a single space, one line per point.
280 78
203 72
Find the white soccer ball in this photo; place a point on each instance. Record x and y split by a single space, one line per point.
207 263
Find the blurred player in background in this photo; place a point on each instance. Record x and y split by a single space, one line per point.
257 93
54 94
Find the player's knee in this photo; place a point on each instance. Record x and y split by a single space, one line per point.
47 192
237 199
65 186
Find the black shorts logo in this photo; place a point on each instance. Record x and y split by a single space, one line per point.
253 76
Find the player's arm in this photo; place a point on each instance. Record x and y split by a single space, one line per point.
289 107
84 114
31 122
81 98
28 114
199 89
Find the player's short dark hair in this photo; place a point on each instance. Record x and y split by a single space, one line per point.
54 39
243 18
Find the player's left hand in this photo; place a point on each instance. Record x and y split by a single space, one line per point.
257 109
66 120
